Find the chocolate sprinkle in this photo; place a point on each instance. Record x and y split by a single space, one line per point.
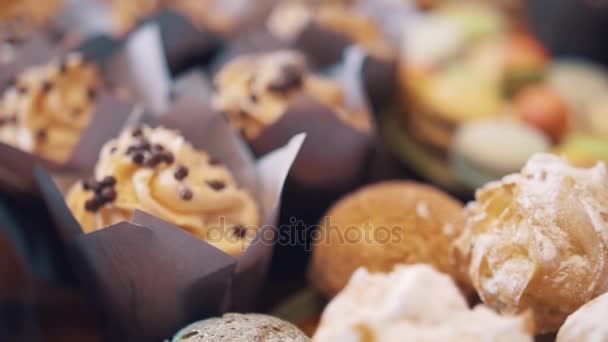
181 173
92 204
138 158
22 90
41 134
113 150
108 181
291 78
253 98
186 194
216 185
103 192
239 231
92 94
47 86
214 161
137 131
63 67
108 194
76 112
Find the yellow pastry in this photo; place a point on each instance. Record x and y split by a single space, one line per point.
157 171
48 106
539 240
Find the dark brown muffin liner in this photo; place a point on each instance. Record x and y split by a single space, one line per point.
111 113
151 277
185 44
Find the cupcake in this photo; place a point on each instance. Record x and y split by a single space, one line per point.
19 18
218 16
233 327
324 30
157 171
46 108
255 91
587 323
383 225
414 301
538 240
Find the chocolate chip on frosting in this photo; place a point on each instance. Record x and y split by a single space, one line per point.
92 94
181 173
216 185
108 181
103 192
146 154
41 134
46 86
186 194
239 231
291 78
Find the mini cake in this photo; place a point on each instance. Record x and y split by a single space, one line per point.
587 323
19 18
255 91
382 225
290 19
157 171
539 240
46 108
234 327
413 303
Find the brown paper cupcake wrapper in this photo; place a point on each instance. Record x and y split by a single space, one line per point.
111 113
151 277
335 154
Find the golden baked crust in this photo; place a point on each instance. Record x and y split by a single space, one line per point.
539 240
383 225
48 106
413 303
155 170
254 91
588 323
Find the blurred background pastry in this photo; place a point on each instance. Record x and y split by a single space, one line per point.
586 323
538 240
47 107
255 91
19 18
382 225
216 15
323 30
233 327
414 301
157 171
465 61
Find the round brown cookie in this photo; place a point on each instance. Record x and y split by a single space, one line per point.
382 225
242 328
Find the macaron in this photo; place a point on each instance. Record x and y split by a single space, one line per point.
580 82
234 327
583 150
486 150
